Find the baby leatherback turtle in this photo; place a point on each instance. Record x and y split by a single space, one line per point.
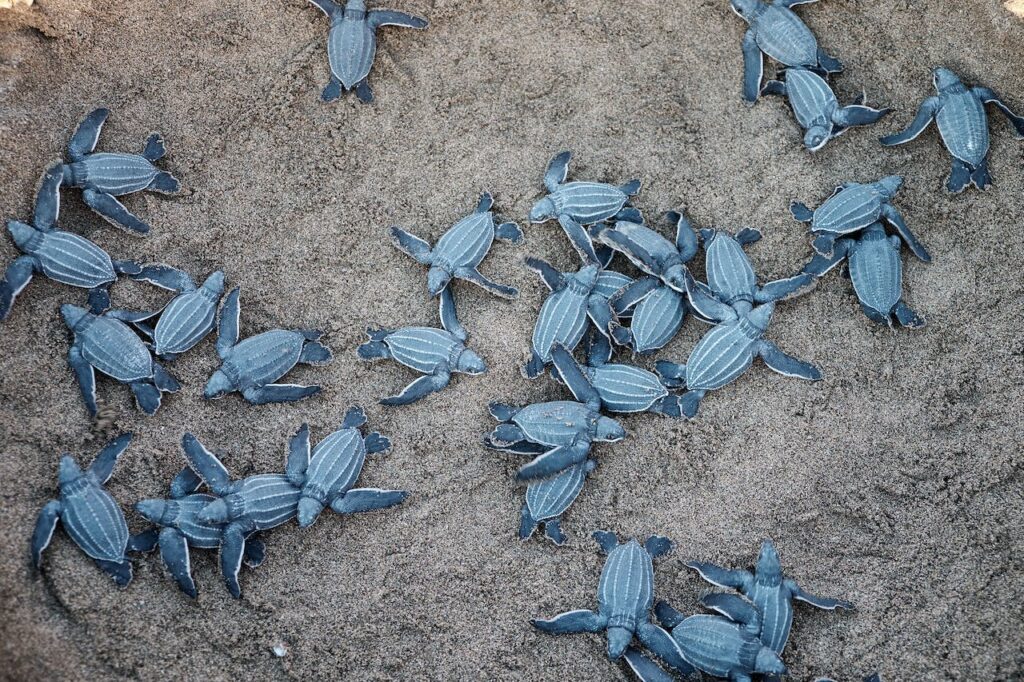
352 44
106 343
656 313
625 594
90 515
725 645
252 365
547 499
566 429
461 249
578 204
817 109
959 112
251 505
189 316
775 30
622 388
852 207
61 256
652 253
437 353
104 175
728 350
770 592
180 528
326 474
876 269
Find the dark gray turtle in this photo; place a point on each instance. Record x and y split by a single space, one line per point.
652 253
103 175
460 250
61 256
876 269
854 206
106 343
817 109
252 365
90 515
577 205
180 529
547 499
326 475
959 112
567 429
352 44
656 312
575 298
775 30
246 506
189 316
725 646
728 350
437 353
770 591
622 388
625 594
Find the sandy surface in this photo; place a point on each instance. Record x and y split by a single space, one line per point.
895 483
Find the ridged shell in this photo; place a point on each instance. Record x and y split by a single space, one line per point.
716 645
198 534
588 202
776 614
74 260
270 500
184 322
810 96
264 358
724 353
785 38
113 348
468 241
562 319
609 282
963 125
351 47
554 423
94 520
650 241
730 275
657 319
624 388
336 462
422 348
114 174
626 590
850 210
548 498
877 272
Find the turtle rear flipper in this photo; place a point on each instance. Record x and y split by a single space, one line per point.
354 418
364 92
907 317
315 353
120 571
534 367
800 211
279 393
375 443
332 90
374 350
255 552
502 411
163 380
147 396
165 183
689 403
113 211
527 524
980 177
829 63
154 149
553 531
510 232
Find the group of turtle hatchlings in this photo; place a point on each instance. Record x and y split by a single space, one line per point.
593 306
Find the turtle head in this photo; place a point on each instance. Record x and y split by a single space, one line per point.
769 663
761 316
160 512
21 233
745 8
618 639
945 79
470 363
588 274
437 279
769 568
72 314
358 5
215 283
309 510
543 210
817 136
609 430
68 470
218 386
891 184
675 276
218 511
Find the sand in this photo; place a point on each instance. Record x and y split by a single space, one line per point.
895 482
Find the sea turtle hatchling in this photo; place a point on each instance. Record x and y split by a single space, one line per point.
244 507
106 343
460 250
436 353
62 256
326 474
547 499
190 315
577 205
252 365
102 176
180 528
90 515
742 311
725 646
775 30
959 112
565 428
651 252
876 270
817 109
770 592
854 206
352 44
625 594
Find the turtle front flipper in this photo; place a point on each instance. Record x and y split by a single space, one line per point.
47 206
232 549
449 317
18 275
553 279
383 17
988 96
360 500
113 211
782 289
573 377
86 376
825 603
664 647
411 245
120 571
787 365
570 622
175 555
472 275
165 277
644 669
722 577
298 456
557 171
736 609
103 466
206 464
858 115
554 461
896 220
84 140
924 117
579 238
753 66
420 388
279 393
227 333
46 523
819 265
